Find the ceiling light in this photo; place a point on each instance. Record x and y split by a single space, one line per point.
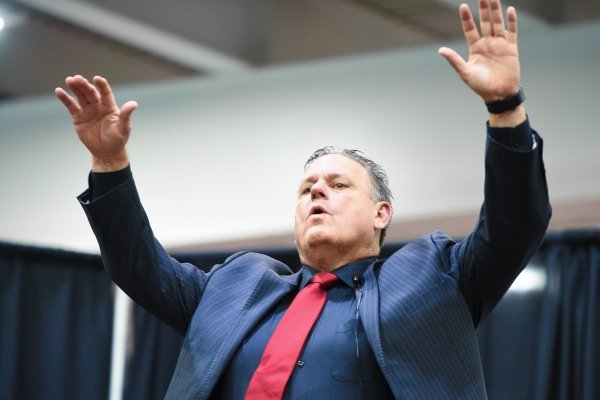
11 16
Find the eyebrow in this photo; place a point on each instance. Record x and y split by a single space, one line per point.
329 176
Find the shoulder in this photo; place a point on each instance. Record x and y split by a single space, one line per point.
252 263
426 255
433 244
244 273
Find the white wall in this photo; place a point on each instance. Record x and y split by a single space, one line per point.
220 159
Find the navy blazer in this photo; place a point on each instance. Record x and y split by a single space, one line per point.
420 306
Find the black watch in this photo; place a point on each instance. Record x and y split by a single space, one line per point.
507 104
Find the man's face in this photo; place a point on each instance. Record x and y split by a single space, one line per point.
335 210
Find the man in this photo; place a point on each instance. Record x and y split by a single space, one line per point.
397 328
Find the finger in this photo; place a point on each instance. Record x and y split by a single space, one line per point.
485 22
85 92
468 25
512 25
497 18
106 94
67 100
455 60
89 91
73 85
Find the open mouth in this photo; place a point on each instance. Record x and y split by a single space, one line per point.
317 210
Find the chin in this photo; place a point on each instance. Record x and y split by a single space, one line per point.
316 238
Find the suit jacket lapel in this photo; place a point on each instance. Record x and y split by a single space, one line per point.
271 288
369 313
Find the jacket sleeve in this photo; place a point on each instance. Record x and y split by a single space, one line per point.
511 226
135 260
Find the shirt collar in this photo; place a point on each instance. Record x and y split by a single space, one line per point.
344 273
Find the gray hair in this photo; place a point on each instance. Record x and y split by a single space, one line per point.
380 190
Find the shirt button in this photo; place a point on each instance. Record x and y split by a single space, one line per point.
300 363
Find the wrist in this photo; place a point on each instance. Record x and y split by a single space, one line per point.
508 119
505 104
110 164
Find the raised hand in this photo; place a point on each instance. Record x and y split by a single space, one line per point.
101 125
492 69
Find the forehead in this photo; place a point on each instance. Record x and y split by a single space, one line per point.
335 165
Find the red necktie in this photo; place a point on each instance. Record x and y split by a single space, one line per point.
284 347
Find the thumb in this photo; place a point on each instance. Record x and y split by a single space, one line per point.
126 110
455 60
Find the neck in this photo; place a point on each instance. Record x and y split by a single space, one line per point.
327 259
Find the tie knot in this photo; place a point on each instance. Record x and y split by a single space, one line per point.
325 279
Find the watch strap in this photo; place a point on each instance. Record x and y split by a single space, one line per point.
507 104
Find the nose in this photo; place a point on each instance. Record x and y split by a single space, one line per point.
318 190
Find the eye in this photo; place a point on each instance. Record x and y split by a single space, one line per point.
305 190
339 185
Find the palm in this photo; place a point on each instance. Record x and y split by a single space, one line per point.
100 129
493 67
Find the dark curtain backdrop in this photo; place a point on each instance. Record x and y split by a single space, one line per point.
543 344
568 356
56 311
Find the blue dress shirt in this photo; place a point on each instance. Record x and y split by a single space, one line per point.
336 362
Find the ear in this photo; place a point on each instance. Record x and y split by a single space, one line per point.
383 215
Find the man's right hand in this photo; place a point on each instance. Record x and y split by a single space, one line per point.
101 126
